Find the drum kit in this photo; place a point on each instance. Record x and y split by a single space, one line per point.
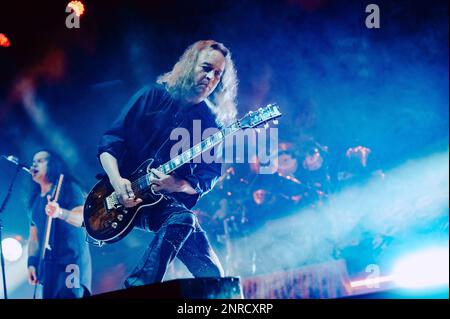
242 198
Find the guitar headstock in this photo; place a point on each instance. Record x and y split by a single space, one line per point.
261 116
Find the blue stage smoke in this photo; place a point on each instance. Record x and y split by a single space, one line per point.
410 201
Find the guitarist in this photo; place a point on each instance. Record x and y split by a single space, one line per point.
201 86
66 269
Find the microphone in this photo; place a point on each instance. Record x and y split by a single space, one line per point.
13 159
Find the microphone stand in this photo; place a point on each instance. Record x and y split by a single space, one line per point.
2 207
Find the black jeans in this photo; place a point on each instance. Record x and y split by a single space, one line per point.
180 236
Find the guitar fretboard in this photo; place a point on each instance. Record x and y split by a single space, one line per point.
143 183
198 149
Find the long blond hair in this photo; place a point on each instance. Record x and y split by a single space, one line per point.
180 80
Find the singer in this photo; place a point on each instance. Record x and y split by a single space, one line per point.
66 269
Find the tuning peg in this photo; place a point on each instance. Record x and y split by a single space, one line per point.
275 122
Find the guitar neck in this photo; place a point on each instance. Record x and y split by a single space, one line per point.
252 119
48 226
143 183
198 149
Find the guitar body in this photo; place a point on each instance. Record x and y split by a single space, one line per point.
105 219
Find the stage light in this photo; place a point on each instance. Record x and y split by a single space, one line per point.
12 249
428 268
77 7
4 41
371 282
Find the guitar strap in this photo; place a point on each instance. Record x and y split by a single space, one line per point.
176 117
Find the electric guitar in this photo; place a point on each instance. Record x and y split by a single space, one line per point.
107 221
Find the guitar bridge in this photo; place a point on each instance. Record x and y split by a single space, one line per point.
112 202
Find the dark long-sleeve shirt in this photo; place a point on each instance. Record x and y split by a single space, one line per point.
143 129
